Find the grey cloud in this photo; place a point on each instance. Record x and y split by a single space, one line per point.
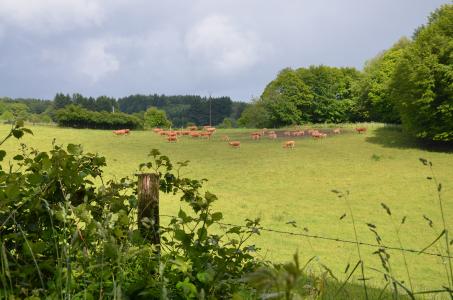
224 47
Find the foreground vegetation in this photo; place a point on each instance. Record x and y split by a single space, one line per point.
290 190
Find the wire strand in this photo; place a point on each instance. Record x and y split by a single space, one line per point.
320 237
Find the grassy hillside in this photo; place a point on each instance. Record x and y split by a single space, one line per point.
261 179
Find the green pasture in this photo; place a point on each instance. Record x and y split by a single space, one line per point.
262 179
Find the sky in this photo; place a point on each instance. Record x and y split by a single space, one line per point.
219 47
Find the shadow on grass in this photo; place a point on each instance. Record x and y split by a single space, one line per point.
393 137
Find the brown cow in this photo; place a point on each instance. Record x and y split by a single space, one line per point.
255 136
205 135
336 131
289 144
361 129
172 138
121 131
272 136
235 144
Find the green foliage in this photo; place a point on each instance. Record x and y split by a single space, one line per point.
287 99
375 101
254 115
422 85
7 116
334 93
78 117
154 117
227 123
316 94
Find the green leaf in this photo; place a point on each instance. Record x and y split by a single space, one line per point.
18 133
217 216
202 233
27 130
189 289
205 277
235 229
18 157
74 149
2 154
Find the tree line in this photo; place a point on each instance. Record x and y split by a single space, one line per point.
79 111
411 83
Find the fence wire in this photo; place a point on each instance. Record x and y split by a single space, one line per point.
338 240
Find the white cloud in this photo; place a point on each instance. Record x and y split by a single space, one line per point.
48 16
217 42
95 62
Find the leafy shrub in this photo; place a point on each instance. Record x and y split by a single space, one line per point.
154 117
78 117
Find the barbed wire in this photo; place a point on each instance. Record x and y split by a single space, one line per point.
339 240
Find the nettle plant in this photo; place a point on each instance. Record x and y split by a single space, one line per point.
67 233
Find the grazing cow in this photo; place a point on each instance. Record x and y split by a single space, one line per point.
205 135
316 134
336 131
211 129
271 132
272 136
361 129
157 130
172 138
298 133
121 131
235 144
289 144
195 134
287 133
256 135
225 138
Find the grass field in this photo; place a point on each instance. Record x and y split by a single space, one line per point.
261 179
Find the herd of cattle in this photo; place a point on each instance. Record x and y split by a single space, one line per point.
172 136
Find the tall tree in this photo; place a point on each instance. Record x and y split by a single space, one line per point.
375 101
61 100
287 99
422 85
156 118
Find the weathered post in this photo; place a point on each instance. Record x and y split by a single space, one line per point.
148 207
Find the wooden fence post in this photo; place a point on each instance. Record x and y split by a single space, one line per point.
148 207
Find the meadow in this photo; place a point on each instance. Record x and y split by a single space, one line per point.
291 189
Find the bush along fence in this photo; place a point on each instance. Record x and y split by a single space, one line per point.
63 236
